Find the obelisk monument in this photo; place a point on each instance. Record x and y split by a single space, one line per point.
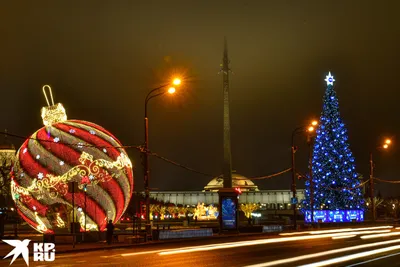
227 166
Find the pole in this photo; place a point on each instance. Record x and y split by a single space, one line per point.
73 214
311 183
146 155
371 186
146 169
294 204
85 208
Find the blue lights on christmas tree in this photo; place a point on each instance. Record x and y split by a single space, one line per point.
336 186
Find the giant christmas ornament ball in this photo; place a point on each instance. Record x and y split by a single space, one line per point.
63 152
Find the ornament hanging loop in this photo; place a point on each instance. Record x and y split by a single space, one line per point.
50 93
53 113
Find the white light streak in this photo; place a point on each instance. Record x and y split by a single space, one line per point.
352 257
376 259
139 253
379 235
325 253
343 237
261 242
338 230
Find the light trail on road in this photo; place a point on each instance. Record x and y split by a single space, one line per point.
338 230
351 257
376 259
325 253
343 237
258 242
379 235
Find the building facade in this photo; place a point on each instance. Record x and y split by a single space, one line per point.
269 199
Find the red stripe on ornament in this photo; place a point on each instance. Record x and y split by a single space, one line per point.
29 165
31 202
117 195
129 175
93 209
97 127
62 151
91 139
112 187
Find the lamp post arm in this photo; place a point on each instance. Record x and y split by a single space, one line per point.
155 89
149 96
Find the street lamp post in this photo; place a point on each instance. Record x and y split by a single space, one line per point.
294 149
310 143
85 189
371 186
145 151
371 178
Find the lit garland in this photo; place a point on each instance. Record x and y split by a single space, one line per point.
333 165
56 185
60 222
41 227
89 226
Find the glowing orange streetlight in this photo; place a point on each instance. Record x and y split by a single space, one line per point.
152 94
177 81
385 146
305 128
171 90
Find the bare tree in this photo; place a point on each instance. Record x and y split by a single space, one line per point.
7 157
377 201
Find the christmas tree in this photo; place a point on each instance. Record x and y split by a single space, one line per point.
337 195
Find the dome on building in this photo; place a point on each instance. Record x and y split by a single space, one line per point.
237 181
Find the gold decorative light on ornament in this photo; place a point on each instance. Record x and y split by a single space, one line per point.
60 222
53 113
41 226
55 185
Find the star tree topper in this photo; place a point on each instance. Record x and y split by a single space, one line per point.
329 79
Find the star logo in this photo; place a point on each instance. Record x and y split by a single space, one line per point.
20 248
329 79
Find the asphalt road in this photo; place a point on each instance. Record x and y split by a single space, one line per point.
292 250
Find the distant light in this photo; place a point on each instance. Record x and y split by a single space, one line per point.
385 146
388 141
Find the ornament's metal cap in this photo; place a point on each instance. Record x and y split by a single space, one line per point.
52 113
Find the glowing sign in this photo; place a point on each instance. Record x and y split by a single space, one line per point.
328 216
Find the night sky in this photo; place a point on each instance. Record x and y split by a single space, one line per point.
102 57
